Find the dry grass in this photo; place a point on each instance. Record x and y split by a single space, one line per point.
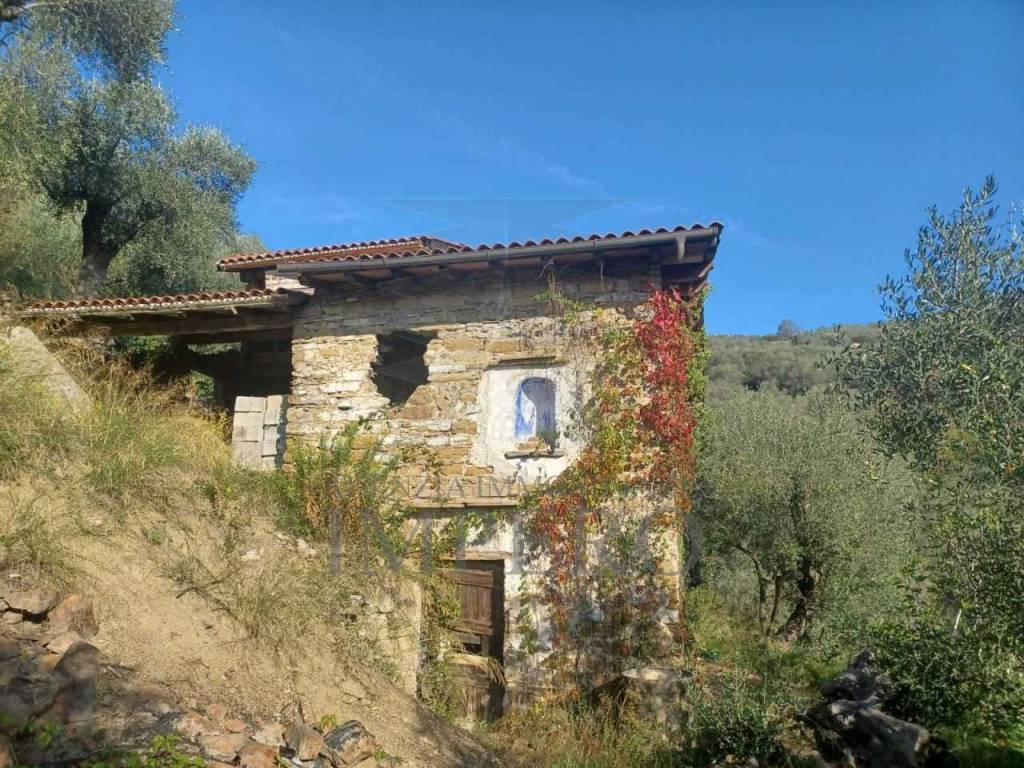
551 735
32 540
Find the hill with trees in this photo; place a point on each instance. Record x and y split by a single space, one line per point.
791 360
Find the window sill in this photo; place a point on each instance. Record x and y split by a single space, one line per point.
555 454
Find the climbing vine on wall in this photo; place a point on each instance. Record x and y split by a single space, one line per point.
597 535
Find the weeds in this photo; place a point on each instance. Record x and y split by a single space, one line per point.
30 539
35 427
566 736
134 434
163 752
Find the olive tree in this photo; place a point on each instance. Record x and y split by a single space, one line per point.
97 138
120 37
108 153
944 388
792 486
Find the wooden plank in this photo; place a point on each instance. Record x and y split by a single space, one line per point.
470 576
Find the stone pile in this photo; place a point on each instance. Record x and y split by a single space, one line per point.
225 741
852 730
48 670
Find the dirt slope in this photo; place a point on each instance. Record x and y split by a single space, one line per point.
169 643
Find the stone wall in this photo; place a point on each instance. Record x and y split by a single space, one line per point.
486 334
258 430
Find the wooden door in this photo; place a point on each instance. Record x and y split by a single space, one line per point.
479 588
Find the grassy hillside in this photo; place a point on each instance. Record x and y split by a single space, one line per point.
133 502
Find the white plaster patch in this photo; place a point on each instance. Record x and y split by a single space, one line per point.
497 420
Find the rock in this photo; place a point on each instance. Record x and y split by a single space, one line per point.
348 744
28 697
303 740
73 613
75 675
850 727
869 738
271 734
222 746
32 601
6 753
234 725
49 662
9 649
62 642
193 725
217 712
17 713
353 689
255 755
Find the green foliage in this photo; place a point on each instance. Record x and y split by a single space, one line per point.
951 680
945 382
791 361
163 752
944 387
736 718
350 474
105 150
791 488
120 38
39 250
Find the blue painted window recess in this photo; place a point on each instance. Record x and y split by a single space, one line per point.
535 408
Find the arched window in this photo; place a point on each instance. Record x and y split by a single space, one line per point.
535 409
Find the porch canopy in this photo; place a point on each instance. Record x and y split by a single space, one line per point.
194 318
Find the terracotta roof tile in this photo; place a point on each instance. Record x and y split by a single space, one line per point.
380 250
244 260
144 302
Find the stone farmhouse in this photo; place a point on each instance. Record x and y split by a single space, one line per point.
440 345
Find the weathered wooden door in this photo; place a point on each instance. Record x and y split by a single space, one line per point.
479 588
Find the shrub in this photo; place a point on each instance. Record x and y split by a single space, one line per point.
582 736
348 476
951 680
737 718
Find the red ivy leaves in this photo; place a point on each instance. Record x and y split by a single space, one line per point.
669 348
641 423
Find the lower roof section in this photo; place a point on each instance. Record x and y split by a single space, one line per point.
211 315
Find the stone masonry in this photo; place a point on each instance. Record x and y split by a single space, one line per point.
257 434
486 334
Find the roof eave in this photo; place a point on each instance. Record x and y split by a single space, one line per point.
711 232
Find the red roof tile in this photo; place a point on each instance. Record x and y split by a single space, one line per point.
378 250
146 302
245 260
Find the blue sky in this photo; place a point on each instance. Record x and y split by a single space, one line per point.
816 132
